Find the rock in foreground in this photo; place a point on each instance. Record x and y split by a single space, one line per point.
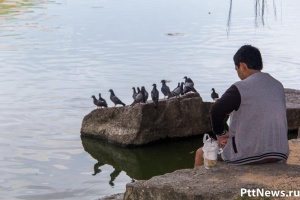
223 182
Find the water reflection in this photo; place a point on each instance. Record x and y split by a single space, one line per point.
16 7
260 6
144 162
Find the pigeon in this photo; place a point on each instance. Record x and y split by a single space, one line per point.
165 89
139 98
134 93
99 103
138 90
214 95
114 98
177 91
188 85
177 86
155 95
146 95
101 99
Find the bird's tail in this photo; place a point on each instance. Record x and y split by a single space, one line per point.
123 104
194 90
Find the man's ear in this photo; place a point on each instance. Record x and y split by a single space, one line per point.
243 66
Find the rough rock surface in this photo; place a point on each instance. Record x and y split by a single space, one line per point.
293 108
222 182
142 124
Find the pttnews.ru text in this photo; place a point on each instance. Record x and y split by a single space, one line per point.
269 193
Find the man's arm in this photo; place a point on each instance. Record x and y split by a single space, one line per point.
229 101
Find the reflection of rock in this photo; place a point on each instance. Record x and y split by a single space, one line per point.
144 163
139 125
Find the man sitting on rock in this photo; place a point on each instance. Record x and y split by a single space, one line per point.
257 108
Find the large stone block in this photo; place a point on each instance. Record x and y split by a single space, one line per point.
142 124
182 117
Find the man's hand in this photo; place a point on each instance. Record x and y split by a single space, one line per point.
223 139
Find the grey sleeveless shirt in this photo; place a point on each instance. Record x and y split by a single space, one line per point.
258 129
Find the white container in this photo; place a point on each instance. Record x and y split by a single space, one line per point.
211 150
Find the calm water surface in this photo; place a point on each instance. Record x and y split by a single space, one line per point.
55 54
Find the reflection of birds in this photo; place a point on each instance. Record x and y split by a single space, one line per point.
139 98
134 93
214 95
165 89
114 98
96 168
99 103
101 99
113 176
155 95
177 91
188 85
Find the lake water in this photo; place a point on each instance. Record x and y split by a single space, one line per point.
55 54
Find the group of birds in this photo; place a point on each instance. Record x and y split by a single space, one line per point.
141 95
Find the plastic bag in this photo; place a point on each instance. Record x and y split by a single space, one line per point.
211 150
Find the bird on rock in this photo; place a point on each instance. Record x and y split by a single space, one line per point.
114 98
134 93
138 90
188 85
101 99
178 85
99 103
140 97
165 89
177 91
146 95
155 95
214 95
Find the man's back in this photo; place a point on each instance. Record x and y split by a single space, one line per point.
258 129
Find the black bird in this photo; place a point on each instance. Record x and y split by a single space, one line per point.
138 90
101 99
99 103
214 95
165 89
177 91
146 95
139 97
178 85
114 98
134 93
155 95
188 85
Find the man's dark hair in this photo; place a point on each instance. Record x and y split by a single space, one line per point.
249 55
